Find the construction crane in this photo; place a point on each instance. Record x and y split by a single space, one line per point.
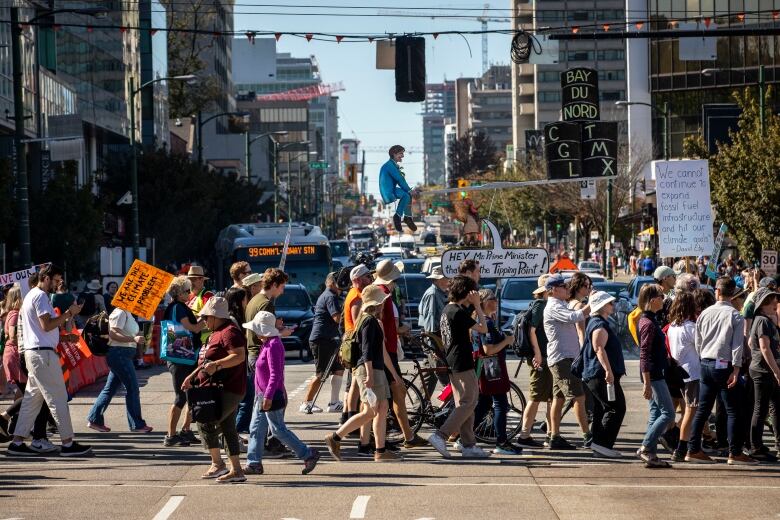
304 93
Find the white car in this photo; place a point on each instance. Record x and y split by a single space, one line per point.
588 267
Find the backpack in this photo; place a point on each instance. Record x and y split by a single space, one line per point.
349 351
89 307
95 334
522 333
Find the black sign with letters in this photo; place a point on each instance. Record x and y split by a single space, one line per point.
534 142
562 148
599 148
580 94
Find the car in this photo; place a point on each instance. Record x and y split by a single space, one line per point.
634 286
294 308
428 238
516 297
337 264
412 287
412 265
588 267
396 253
430 263
339 250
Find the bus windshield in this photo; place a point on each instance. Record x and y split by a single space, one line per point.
339 249
306 264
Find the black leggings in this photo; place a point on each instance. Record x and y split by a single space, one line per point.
178 374
767 392
39 428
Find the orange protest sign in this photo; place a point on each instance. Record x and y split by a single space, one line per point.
142 289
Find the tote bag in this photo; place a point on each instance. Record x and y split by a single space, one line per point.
176 343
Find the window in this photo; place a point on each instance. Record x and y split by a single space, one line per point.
549 97
610 55
612 95
612 75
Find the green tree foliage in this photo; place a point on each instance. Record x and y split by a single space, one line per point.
182 205
745 178
67 224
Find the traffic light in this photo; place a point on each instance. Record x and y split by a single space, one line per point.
430 209
463 183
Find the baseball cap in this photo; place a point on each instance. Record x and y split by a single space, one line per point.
554 280
358 271
662 272
541 284
251 279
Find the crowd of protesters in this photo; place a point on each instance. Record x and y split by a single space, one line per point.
699 350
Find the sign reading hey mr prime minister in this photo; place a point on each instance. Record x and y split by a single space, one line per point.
684 208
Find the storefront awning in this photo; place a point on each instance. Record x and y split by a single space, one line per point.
649 231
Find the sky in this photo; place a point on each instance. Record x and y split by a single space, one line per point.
368 110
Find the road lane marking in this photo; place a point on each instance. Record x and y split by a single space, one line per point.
169 507
359 506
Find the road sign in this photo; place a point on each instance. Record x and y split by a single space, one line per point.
319 165
588 190
440 204
769 262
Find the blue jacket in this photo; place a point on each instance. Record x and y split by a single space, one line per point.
390 177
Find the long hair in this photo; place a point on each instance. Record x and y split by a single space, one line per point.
13 300
236 296
683 309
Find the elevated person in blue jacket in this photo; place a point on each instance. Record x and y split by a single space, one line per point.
393 186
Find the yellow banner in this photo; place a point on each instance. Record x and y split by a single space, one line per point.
142 289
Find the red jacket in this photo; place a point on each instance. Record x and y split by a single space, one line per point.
389 322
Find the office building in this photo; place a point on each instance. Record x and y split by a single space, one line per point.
439 105
155 132
450 136
484 105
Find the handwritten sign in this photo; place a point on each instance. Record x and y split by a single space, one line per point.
580 94
21 278
684 209
712 265
142 289
497 262
599 148
562 149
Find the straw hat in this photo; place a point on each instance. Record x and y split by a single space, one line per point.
196 271
373 296
541 283
386 273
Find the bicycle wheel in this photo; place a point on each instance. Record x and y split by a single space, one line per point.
414 410
485 432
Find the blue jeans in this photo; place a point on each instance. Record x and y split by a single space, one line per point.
661 415
714 381
120 361
244 415
500 404
258 431
404 202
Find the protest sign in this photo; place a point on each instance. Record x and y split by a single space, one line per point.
495 261
712 265
580 94
684 209
21 278
142 289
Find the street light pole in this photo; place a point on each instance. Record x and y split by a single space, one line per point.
276 181
248 158
200 139
22 193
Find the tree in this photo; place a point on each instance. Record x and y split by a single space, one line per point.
67 223
183 205
744 178
471 153
186 52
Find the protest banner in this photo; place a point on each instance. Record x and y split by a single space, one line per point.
684 208
142 289
21 278
712 265
496 261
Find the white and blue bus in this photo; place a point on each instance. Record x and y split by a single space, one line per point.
261 244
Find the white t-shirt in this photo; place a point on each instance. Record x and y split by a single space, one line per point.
35 305
123 320
682 339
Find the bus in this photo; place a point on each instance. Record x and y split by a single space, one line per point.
261 244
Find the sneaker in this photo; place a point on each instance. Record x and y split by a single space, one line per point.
698 457
274 449
397 223
763 455
415 442
547 440
410 224
474 452
603 451
457 446
304 408
741 460
189 436
655 463
253 469
336 407
529 442
102 428
366 451
678 456
644 454
175 440
143 429
587 440
334 447
21 450
75 450
232 478
387 456
439 444
559 443
43 446
508 449
310 463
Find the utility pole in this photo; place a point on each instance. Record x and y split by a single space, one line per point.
22 193
134 176
362 180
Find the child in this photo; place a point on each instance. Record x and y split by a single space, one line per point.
393 186
271 399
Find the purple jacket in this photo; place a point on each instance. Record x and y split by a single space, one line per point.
269 369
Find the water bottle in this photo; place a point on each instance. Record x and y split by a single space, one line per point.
610 392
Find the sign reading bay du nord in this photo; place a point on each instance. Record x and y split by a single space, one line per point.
580 94
599 149
497 262
562 142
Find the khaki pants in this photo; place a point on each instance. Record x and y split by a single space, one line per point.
465 391
44 383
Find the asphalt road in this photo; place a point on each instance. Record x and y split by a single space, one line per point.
132 476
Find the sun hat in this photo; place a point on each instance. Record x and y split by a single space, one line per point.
768 281
196 271
554 280
662 272
599 299
217 307
386 273
436 273
373 296
94 285
251 279
762 294
263 324
359 271
541 284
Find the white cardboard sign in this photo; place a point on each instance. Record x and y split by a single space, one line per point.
21 278
684 208
496 261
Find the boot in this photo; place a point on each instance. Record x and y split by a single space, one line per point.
410 224
397 223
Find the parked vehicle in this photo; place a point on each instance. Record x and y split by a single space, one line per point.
413 265
295 308
588 267
412 287
339 250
